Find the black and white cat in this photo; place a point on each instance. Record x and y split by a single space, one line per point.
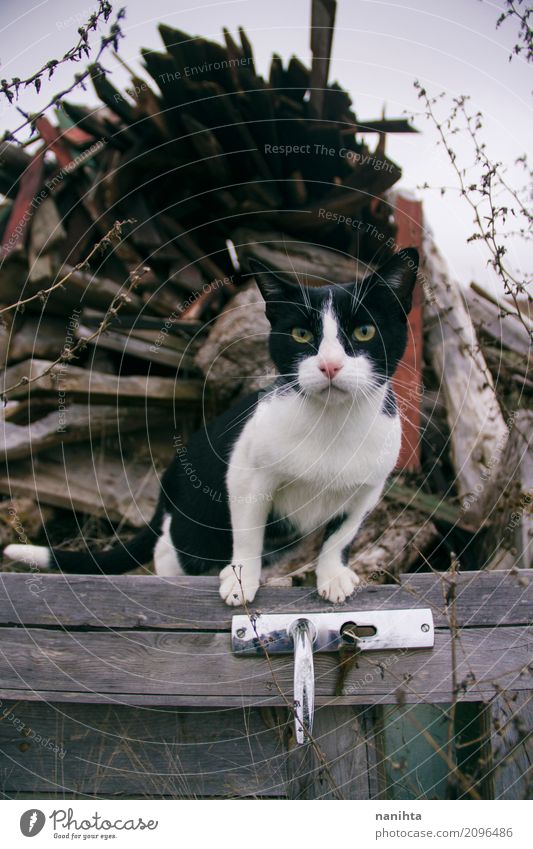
312 450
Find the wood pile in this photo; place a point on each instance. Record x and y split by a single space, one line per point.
205 162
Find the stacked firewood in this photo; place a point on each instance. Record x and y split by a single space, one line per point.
108 364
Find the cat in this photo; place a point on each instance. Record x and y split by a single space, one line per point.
312 450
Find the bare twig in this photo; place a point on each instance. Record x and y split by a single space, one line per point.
74 54
112 38
119 299
111 236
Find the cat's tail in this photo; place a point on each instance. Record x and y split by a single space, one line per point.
121 558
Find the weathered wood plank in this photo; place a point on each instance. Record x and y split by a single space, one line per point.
477 428
322 24
78 382
75 424
81 289
506 502
190 603
36 338
500 597
76 480
488 318
340 770
315 264
130 345
104 750
179 664
512 746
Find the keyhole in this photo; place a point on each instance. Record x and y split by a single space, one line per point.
351 633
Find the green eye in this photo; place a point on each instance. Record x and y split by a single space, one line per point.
364 333
300 334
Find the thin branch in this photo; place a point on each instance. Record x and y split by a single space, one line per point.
112 38
74 54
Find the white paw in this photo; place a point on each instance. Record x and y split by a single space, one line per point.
337 584
236 585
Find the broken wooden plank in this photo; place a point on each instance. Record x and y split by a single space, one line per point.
74 479
504 327
36 337
477 428
46 235
80 289
506 305
74 423
322 25
129 344
381 125
507 496
77 382
317 265
30 194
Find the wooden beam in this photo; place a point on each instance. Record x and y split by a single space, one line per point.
477 428
77 382
322 25
158 664
507 496
505 329
187 603
76 480
26 201
75 424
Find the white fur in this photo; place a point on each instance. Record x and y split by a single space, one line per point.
166 561
355 374
310 460
37 556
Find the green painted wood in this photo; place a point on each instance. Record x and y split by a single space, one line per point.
411 766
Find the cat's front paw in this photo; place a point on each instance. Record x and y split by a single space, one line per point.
336 584
236 586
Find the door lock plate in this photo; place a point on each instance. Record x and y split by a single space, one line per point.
369 630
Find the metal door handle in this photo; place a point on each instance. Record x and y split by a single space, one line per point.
303 634
369 630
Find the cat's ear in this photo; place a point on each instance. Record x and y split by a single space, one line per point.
399 274
274 289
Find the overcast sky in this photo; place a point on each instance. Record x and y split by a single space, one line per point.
380 47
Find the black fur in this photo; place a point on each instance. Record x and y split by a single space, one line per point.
333 526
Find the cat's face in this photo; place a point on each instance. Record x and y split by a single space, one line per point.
339 342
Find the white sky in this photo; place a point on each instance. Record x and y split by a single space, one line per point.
380 47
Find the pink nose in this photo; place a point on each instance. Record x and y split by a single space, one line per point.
330 370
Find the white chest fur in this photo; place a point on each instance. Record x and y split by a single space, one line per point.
312 458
